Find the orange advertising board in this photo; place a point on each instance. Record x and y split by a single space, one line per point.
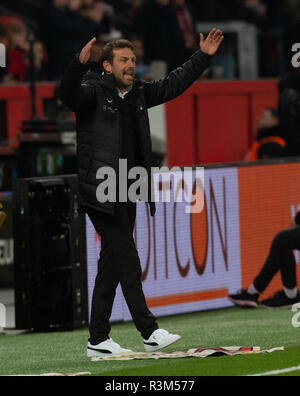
268 197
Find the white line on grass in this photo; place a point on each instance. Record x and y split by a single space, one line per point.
276 372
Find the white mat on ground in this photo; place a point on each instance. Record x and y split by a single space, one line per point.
50 375
196 353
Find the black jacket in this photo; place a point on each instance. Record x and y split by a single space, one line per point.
289 110
94 99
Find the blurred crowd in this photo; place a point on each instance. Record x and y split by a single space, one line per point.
164 36
163 31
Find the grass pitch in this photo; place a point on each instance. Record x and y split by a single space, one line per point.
65 352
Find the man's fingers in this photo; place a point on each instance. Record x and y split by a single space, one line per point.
90 43
211 34
219 35
215 34
212 42
86 51
221 39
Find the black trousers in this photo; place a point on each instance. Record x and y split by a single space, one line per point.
281 258
119 263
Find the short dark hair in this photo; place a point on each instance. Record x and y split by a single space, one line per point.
108 50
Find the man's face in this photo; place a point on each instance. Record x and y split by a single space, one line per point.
123 68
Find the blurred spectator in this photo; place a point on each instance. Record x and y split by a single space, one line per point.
142 70
292 6
294 28
19 36
216 10
289 109
187 26
270 140
263 13
254 11
158 27
64 31
75 5
94 11
87 3
15 59
67 25
61 31
40 62
102 16
278 13
5 40
166 28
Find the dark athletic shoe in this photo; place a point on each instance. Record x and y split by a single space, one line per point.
280 300
244 299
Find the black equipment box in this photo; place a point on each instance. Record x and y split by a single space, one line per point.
50 254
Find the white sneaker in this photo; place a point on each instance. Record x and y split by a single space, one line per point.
106 348
160 339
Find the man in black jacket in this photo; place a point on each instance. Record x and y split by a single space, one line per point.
112 124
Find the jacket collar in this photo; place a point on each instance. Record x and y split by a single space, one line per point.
108 81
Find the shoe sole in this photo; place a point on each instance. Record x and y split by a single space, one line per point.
90 354
162 346
243 303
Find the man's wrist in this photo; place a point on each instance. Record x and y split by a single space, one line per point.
84 67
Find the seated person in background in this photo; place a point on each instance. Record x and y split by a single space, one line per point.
281 258
16 68
270 141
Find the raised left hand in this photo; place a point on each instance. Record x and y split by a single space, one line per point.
211 44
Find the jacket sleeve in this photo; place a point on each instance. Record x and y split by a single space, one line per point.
177 81
74 91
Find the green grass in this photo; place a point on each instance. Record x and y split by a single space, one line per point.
65 352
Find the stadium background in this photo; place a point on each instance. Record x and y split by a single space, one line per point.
246 203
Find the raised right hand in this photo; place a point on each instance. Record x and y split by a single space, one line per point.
86 52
